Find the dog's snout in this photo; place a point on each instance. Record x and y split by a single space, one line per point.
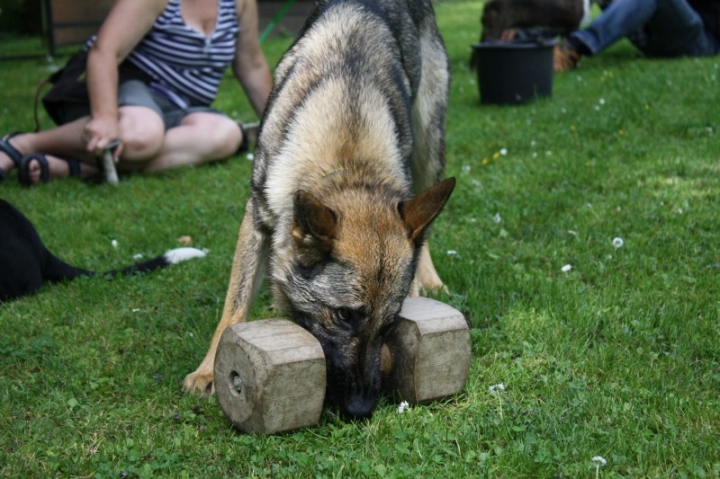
359 406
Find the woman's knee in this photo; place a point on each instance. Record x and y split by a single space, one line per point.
230 137
142 131
223 135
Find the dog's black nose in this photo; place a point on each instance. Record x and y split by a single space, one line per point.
359 407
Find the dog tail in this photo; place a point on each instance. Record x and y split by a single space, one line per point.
58 270
173 256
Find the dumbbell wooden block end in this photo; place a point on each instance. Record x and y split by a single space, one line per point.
270 376
429 352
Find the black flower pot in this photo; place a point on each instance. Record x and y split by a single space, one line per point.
514 72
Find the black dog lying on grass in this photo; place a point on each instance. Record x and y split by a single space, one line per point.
25 262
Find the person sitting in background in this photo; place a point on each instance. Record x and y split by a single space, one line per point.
152 73
658 28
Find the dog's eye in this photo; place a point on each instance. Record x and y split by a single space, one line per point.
347 315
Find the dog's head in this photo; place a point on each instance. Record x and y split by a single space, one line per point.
559 16
494 19
344 276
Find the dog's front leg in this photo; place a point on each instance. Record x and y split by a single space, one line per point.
247 272
426 278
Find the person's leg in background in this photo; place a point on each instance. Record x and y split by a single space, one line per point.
657 27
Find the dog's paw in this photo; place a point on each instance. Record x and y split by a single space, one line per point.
199 382
434 290
427 285
414 290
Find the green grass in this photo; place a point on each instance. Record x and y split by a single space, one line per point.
619 357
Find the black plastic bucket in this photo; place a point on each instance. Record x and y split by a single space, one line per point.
514 72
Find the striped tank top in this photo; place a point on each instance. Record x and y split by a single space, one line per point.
186 66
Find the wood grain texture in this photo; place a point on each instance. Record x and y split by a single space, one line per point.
430 350
282 372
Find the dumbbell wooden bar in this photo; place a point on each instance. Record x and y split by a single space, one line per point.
270 374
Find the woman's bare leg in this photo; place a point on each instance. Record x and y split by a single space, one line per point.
141 129
65 140
200 138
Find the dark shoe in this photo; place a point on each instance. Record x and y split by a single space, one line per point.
249 135
565 56
24 169
10 151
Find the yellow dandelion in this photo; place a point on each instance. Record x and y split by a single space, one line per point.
485 161
496 156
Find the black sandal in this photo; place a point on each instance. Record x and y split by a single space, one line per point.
249 133
24 169
10 151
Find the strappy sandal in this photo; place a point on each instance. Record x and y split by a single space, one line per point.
10 151
249 133
24 169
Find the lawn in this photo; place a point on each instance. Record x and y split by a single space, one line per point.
582 241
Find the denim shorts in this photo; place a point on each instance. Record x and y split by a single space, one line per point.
137 93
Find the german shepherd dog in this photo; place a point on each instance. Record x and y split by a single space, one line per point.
354 128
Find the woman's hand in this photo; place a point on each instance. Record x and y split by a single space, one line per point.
126 24
99 133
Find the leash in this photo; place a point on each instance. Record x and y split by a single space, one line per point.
108 162
38 90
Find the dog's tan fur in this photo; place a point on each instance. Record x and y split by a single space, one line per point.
343 146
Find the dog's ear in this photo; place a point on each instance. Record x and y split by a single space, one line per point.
420 211
315 224
490 21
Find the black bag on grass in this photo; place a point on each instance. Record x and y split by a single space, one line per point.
68 99
68 86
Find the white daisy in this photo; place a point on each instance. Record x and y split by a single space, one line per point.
496 388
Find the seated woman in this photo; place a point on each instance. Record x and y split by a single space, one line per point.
152 73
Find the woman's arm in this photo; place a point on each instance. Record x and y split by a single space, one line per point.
250 66
126 24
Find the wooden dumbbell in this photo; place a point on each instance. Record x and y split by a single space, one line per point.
428 355
270 374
